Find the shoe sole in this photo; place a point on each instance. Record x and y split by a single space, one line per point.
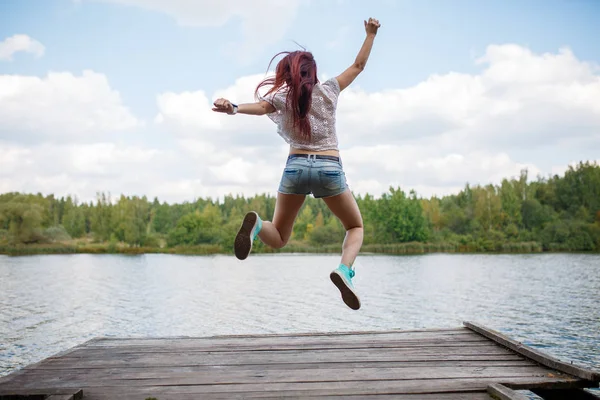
350 298
243 240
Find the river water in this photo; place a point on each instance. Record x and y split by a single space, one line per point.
51 303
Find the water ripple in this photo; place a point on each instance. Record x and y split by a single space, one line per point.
51 303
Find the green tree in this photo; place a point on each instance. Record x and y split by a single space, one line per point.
74 222
432 211
130 220
162 220
331 233
24 220
305 217
560 212
197 227
400 218
580 187
101 217
454 217
534 215
511 202
487 207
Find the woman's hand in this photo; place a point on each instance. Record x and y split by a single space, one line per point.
223 106
372 26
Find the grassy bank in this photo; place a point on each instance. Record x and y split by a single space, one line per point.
259 248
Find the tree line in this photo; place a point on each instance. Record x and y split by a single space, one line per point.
557 213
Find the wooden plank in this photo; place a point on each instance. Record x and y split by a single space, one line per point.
425 331
231 396
123 351
533 354
501 392
87 376
308 365
277 360
561 394
488 348
463 333
41 394
228 377
292 356
254 345
447 396
23 397
219 348
356 388
195 342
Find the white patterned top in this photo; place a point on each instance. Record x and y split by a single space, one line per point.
321 114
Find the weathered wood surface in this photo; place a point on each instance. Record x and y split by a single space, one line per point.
534 354
429 364
501 392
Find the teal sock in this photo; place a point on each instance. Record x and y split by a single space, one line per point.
258 227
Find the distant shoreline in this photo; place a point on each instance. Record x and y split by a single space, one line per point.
554 214
413 248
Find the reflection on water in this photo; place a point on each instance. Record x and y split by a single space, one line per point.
51 303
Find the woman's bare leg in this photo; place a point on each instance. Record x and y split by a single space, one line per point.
277 233
345 208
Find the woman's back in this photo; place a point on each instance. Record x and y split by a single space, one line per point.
304 111
321 117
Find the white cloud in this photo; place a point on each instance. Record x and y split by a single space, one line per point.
261 22
85 169
11 158
416 167
20 43
435 136
61 107
189 115
522 110
520 99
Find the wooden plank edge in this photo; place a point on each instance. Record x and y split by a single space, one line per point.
533 354
299 389
75 394
290 334
341 333
501 392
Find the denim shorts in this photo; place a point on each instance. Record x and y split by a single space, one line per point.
323 176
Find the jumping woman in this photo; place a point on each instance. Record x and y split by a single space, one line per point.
305 113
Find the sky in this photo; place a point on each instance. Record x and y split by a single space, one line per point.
115 95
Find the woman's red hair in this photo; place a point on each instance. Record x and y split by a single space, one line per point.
296 72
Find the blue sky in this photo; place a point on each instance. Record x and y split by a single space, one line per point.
143 50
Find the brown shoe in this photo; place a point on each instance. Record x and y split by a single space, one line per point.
246 235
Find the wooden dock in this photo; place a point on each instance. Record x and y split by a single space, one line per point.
468 363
